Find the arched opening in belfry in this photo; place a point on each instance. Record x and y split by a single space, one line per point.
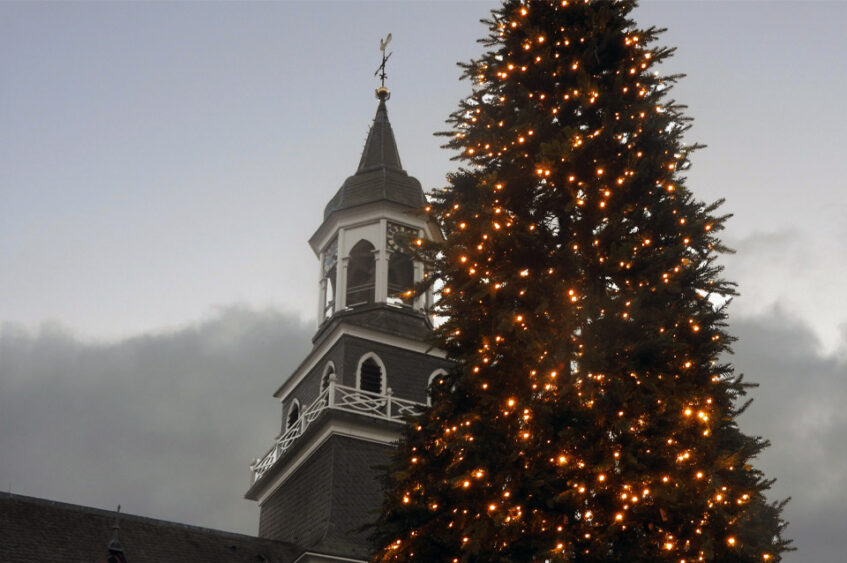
361 274
370 376
293 414
401 278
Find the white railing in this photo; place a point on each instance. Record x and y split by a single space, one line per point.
339 398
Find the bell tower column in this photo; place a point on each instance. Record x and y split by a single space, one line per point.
341 272
421 301
381 264
323 303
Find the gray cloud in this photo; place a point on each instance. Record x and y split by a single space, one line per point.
799 406
796 269
166 424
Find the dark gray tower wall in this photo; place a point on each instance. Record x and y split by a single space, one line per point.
324 504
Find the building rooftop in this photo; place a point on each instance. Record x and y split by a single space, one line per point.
39 530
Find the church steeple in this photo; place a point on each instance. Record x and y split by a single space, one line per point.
380 148
371 363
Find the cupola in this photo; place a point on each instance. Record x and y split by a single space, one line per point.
364 242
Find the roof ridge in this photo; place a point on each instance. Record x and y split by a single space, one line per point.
124 516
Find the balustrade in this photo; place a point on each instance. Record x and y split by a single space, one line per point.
339 398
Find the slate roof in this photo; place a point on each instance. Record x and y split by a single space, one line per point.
38 530
380 148
380 176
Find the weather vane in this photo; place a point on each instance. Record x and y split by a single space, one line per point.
382 92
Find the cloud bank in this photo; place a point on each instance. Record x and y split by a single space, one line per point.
799 407
166 424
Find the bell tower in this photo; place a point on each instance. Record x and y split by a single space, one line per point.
368 225
370 365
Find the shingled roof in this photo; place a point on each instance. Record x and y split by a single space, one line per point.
37 530
380 176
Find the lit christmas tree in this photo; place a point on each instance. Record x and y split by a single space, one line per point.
589 417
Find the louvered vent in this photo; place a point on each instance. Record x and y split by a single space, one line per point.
370 376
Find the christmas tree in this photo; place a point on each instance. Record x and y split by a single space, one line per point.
589 416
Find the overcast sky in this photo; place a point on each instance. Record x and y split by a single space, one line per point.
163 164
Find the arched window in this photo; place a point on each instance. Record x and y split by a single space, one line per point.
293 414
361 274
429 381
329 371
371 374
401 278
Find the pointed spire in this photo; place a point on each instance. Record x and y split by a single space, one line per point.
380 176
380 148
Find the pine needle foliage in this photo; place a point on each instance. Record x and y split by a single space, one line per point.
589 416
